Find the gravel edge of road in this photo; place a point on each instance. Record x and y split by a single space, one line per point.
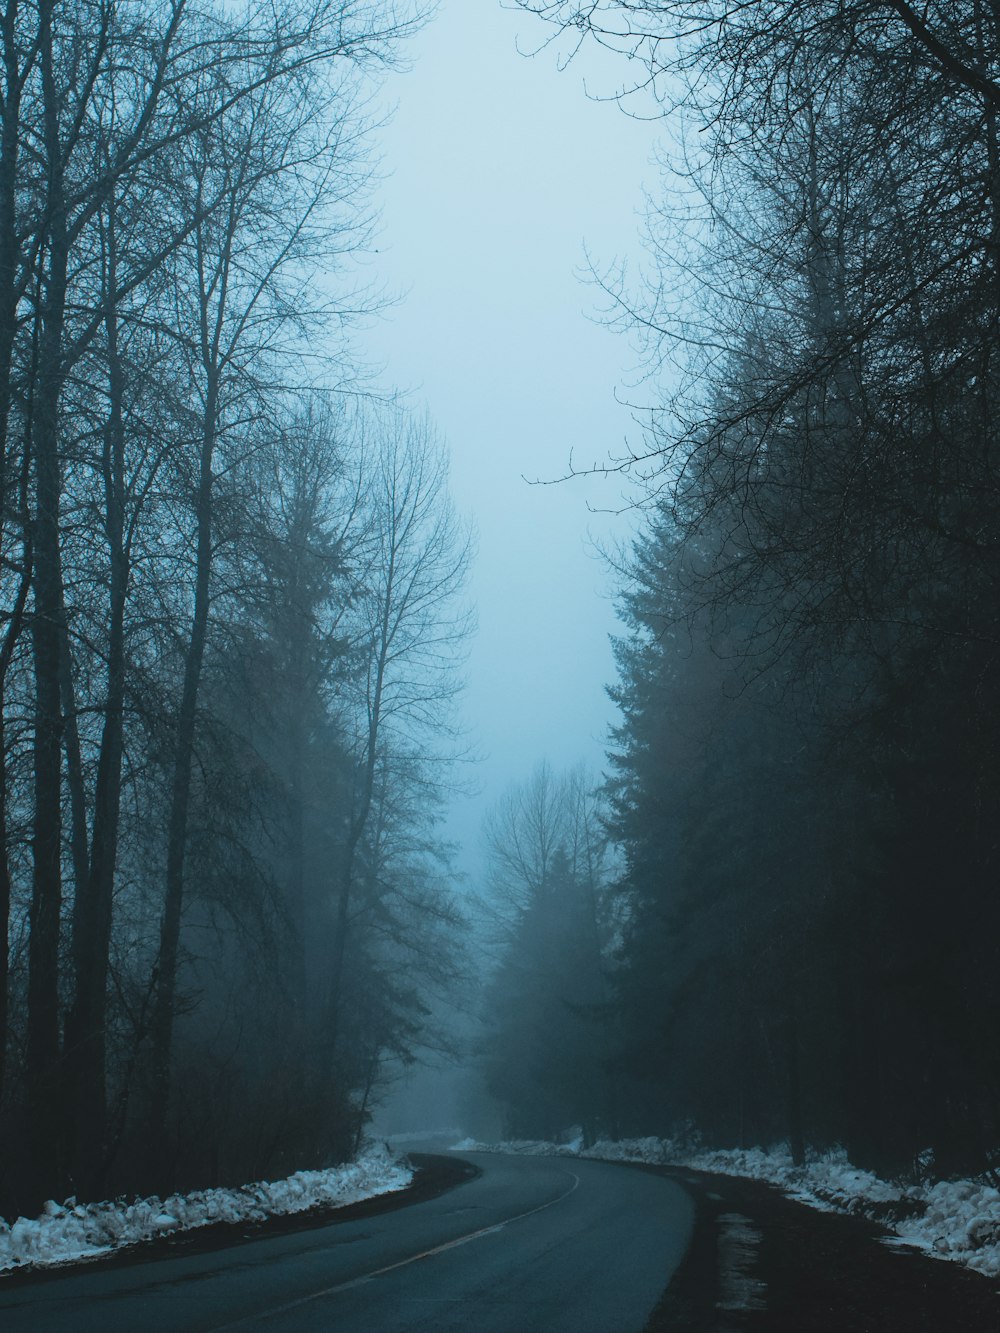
433 1175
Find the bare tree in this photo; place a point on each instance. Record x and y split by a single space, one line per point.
547 895
266 176
408 636
71 69
106 112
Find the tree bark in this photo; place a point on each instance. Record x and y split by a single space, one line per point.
43 1063
10 115
86 1029
170 926
356 828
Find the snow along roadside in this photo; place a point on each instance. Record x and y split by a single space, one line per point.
950 1219
70 1232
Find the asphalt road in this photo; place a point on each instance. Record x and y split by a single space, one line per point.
532 1244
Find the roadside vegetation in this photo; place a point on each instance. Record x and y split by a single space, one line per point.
800 938
232 617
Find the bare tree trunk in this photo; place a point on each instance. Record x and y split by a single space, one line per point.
170 926
10 639
296 859
75 784
356 829
5 895
86 1035
43 1065
46 899
10 115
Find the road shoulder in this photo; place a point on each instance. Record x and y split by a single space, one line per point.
433 1175
764 1263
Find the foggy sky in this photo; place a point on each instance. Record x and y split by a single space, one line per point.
500 172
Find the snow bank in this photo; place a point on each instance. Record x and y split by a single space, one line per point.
962 1221
954 1219
526 1147
420 1136
71 1231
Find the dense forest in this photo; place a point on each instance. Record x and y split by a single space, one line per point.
802 939
233 611
232 604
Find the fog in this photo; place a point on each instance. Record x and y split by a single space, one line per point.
276 823
805 614
501 175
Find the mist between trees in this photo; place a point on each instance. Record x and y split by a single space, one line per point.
232 617
232 611
803 940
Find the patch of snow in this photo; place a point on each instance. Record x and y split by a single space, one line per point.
658 1152
524 1147
68 1232
954 1219
420 1136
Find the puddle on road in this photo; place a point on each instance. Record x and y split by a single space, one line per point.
738 1242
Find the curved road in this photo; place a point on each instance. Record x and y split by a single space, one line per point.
534 1244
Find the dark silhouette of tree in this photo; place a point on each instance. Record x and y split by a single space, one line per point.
809 675
545 1007
172 184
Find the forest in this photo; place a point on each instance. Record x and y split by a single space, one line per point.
232 605
797 936
234 617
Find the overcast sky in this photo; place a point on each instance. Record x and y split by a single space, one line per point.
500 172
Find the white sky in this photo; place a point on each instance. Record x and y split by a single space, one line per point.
499 172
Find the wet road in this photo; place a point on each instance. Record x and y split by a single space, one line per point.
534 1243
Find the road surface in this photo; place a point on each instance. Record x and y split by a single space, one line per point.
534 1244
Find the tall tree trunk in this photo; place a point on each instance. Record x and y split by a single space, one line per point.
86 1028
10 115
43 1065
75 784
10 639
297 862
355 832
177 829
46 897
5 893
